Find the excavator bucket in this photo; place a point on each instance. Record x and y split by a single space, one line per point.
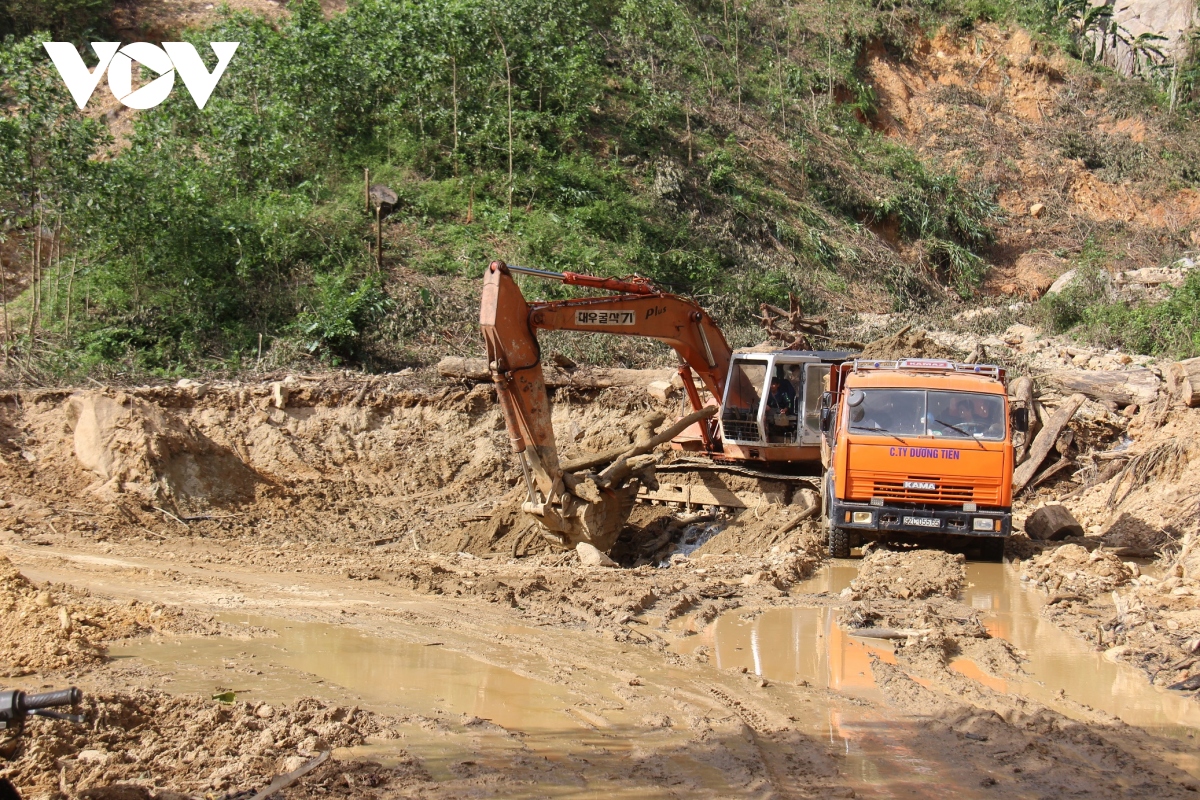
598 522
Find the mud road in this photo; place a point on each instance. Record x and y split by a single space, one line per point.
241 578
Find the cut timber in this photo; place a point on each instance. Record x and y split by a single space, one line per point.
1021 391
1046 441
1185 382
476 369
1124 388
1051 523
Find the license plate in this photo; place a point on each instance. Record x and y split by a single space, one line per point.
616 317
923 522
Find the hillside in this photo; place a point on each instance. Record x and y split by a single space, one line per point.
916 158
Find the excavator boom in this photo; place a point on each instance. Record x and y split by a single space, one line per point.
593 507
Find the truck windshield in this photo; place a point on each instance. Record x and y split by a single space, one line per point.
917 412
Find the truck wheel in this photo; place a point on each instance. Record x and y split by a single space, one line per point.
839 542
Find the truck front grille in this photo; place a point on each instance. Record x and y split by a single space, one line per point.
864 486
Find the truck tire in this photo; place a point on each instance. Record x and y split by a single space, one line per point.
839 538
839 542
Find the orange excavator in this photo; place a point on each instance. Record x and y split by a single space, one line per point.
758 428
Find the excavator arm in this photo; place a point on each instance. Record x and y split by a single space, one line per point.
592 509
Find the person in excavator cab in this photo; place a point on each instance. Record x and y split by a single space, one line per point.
781 405
782 397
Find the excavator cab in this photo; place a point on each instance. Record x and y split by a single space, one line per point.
772 400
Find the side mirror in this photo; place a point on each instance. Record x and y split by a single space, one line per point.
826 419
1020 419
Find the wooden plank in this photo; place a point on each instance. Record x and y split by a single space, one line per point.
1046 440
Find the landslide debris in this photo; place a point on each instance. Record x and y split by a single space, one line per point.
148 740
908 575
907 343
1072 570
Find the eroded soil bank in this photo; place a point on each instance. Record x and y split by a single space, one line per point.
346 560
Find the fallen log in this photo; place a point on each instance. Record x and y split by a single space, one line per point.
1021 391
587 462
888 633
1119 387
1050 472
1046 440
476 370
1185 382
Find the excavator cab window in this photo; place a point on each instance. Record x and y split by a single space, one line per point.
783 404
743 398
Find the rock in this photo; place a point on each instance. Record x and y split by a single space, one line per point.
660 390
1036 210
1061 282
94 756
312 745
589 556
1051 523
279 394
292 763
264 711
1114 653
760 577
64 620
198 388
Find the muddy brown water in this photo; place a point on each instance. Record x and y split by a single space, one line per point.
806 644
802 646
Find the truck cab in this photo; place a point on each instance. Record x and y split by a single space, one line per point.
916 447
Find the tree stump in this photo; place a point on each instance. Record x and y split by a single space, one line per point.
1051 523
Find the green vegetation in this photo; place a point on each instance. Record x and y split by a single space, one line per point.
722 149
1168 327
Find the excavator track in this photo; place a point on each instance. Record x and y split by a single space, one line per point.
749 487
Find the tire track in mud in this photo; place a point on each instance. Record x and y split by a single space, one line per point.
762 735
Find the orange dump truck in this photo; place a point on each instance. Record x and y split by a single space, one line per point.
917 447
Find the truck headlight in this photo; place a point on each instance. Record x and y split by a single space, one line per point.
862 517
984 524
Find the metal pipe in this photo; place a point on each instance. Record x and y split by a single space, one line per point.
541 273
528 477
708 353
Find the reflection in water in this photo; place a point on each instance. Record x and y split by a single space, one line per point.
796 645
805 644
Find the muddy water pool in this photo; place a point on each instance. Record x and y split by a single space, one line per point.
424 682
806 644
826 688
